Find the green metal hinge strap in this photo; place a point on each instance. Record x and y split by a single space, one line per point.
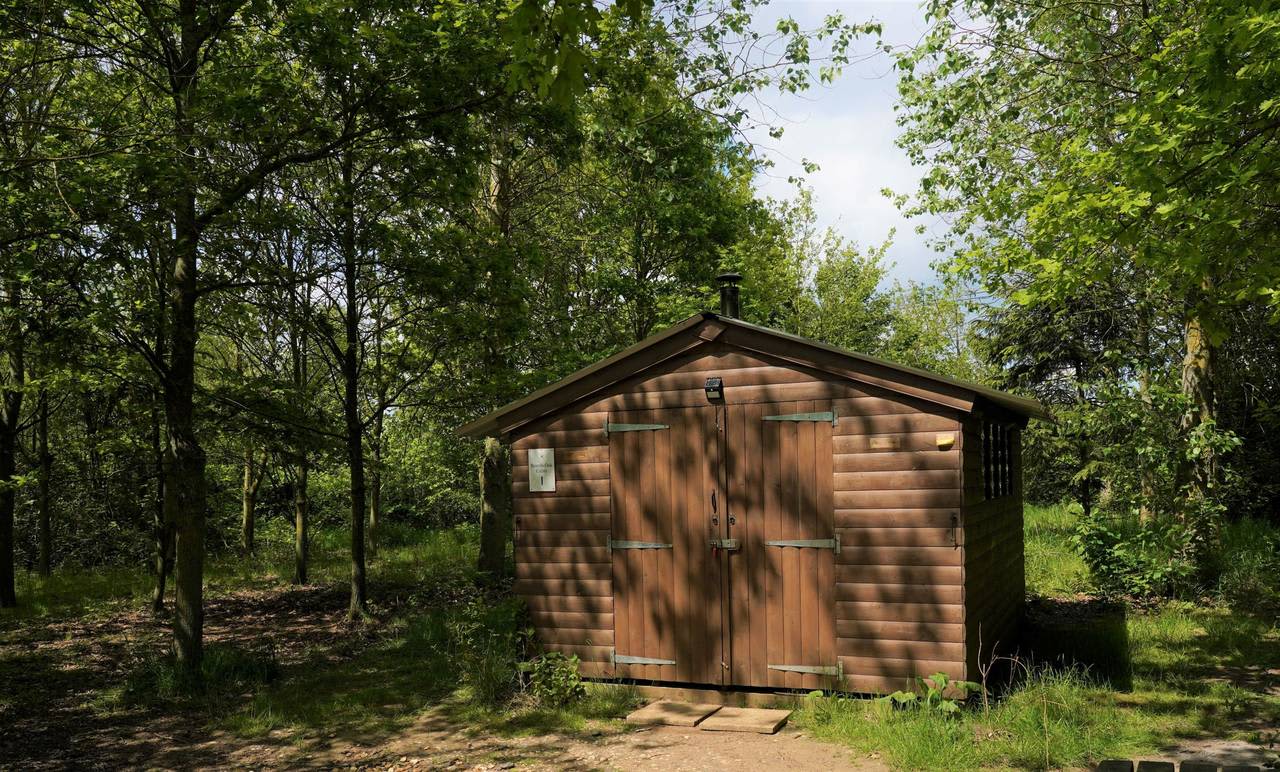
829 415
610 428
837 671
623 544
822 544
623 659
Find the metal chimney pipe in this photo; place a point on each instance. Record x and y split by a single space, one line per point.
729 294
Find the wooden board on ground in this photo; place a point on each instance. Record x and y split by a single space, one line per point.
760 720
672 713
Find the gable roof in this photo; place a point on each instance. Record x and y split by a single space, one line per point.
700 329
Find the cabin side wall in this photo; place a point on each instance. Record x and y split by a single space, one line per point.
994 568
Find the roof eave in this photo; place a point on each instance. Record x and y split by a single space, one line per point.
963 394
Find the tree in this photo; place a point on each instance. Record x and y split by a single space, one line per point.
1067 142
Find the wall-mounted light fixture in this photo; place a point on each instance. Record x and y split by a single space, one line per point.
714 387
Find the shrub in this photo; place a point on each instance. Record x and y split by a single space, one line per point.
1249 565
1139 560
451 507
554 680
488 641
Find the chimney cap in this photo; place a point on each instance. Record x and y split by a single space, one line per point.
729 278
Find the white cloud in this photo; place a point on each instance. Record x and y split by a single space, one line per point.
849 129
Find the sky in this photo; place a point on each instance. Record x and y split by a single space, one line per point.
848 128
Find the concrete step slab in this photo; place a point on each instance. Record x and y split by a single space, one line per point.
759 720
667 713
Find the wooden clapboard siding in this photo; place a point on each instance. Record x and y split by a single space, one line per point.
562 555
562 541
566 571
925 566
899 574
896 461
899 631
568 471
559 505
899 591
555 604
584 455
994 580
577 620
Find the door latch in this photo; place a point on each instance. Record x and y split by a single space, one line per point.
725 544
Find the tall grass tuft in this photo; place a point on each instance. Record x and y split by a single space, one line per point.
1051 719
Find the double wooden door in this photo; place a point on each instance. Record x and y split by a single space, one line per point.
723 544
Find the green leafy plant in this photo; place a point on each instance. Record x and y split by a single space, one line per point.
937 694
488 640
554 680
1139 560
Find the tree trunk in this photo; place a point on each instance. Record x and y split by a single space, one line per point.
375 483
301 511
1147 475
1198 473
300 303
253 472
8 468
45 562
10 414
162 530
351 393
184 483
495 507
1085 449
1197 386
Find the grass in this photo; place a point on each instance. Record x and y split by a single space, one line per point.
1054 568
429 644
1051 720
1198 672
436 641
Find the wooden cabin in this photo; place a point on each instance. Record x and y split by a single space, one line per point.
731 506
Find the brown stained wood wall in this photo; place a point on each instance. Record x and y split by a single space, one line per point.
993 566
897 591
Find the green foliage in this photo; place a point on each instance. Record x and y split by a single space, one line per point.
1142 561
554 679
1050 719
1249 566
1101 170
226 672
488 640
1054 567
937 693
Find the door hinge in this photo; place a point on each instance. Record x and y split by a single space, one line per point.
837 671
725 544
610 428
822 544
624 544
829 415
623 659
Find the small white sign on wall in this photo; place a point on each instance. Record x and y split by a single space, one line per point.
542 469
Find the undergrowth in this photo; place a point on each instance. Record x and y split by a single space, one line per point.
1051 719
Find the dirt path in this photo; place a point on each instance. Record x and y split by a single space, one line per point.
437 742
